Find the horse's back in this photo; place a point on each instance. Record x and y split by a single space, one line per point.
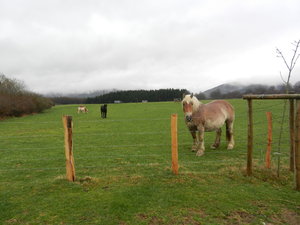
220 107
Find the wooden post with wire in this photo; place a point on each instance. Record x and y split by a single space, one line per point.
269 144
70 167
292 135
294 131
297 146
174 144
250 138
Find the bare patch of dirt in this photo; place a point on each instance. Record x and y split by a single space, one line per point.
191 217
152 220
240 217
11 221
286 216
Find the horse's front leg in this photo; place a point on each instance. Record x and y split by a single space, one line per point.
200 147
218 139
194 146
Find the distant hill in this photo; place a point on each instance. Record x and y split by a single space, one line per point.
236 90
225 88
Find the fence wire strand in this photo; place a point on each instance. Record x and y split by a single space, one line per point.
79 124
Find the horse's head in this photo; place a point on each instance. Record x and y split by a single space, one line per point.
189 104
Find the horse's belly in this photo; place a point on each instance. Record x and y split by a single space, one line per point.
212 125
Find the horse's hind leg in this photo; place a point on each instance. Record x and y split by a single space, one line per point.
229 134
218 139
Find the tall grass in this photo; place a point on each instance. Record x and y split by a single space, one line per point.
123 170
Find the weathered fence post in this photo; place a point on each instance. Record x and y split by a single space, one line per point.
292 135
297 146
250 138
269 145
70 167
294 132
174 143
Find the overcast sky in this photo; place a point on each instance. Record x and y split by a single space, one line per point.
87 45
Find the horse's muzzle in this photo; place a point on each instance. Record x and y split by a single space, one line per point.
188 118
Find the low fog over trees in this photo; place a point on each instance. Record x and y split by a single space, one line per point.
227 91
224 91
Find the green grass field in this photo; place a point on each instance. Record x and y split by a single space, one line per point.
123 170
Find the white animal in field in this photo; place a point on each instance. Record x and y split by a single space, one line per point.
82 109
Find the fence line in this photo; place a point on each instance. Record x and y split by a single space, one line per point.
121 165
139 155
116 155
183 131
35 148
105 177
244 116
37 122
240 141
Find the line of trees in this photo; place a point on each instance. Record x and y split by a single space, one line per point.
171 94
15 100
138 96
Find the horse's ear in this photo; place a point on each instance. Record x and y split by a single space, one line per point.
192 95
183 95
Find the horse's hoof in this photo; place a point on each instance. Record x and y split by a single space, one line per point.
200 153
194 148
229 147
214 146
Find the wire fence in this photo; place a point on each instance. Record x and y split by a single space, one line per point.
27 147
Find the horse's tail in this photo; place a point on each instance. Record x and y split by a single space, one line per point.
229 128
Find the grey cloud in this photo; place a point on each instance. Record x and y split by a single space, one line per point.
141 44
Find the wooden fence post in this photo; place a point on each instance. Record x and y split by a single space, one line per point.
269 145
297 146
70 167
250 138
174 143
292 135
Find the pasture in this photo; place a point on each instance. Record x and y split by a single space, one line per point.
123 170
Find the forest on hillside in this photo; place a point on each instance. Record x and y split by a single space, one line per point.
219 92
139 96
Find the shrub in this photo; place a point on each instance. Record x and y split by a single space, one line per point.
16 101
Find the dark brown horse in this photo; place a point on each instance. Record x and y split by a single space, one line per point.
103 110
208 117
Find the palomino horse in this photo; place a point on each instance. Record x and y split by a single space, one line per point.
82 109
208 117
103 109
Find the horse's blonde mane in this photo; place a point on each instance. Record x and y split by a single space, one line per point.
192 99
